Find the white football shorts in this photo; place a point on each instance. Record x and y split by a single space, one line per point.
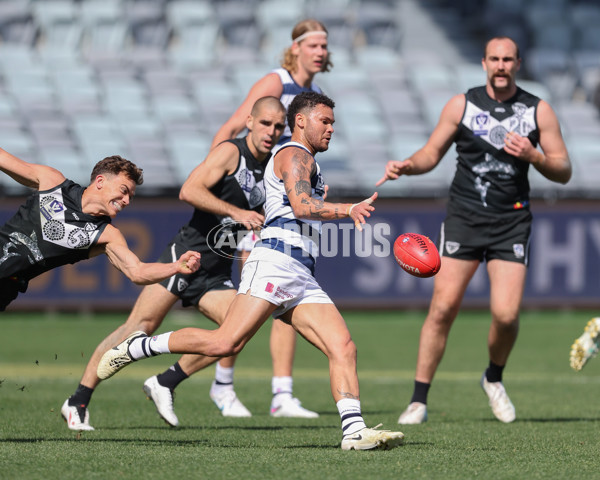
248 242
280 280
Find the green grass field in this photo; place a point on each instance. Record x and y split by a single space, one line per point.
555 435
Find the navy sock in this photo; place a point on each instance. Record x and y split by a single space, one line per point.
494 372
172 377
81 397
420 392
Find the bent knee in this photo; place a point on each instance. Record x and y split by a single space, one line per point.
225 348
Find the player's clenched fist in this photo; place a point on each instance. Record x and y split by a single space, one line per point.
189 262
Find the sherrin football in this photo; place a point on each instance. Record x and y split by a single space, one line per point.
417 255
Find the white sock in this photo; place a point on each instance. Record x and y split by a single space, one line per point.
149 346
281 388
223 376
352 420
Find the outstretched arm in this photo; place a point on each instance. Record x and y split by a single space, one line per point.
295 166
554 162
114 245
426 159
40 177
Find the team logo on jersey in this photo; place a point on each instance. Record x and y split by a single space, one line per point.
452 247
54 230
257 195
497 135
78 238
519 109
518 250
480 123
181 284
50 207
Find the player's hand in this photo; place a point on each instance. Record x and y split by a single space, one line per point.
360 210
518 146
189 262
325 191
394 169
250 219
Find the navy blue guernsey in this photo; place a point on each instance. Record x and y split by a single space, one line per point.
48 231
487 178
245 189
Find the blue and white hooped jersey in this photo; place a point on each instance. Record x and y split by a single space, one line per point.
284 232
290 90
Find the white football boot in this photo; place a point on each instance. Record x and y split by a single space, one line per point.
77 417
226 400
415 413
586 346
163 400
290 407
501 405
370 439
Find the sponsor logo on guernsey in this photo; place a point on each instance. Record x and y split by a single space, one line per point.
284 295
518 250
452 247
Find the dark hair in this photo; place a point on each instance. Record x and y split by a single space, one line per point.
268 101
116 164
501 38
306 101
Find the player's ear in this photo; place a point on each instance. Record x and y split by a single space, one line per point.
249 122
295 48
300 120
99 181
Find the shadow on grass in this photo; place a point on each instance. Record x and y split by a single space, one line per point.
223 427
558 420
158 442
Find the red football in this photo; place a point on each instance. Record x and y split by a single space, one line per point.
417 255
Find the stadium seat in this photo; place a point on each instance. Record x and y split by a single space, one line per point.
147 24
16 23
187 151
69 161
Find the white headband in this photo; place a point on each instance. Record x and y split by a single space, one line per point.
308 34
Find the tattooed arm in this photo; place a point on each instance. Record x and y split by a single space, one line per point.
295 166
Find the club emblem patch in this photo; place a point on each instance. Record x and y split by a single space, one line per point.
452 247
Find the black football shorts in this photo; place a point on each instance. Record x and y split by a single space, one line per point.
468 235
191 288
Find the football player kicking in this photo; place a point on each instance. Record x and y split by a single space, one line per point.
278 277
227 185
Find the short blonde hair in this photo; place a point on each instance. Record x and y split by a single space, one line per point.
309 25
